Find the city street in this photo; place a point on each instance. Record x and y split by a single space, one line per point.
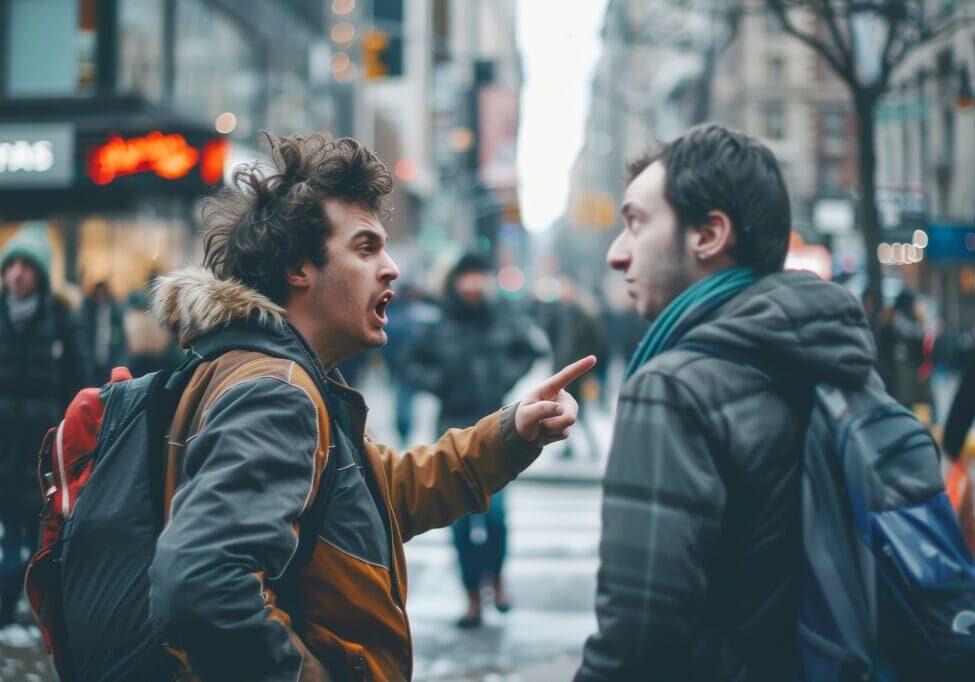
550 573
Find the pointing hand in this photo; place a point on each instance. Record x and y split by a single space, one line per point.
545 414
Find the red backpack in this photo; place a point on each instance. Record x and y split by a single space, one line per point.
65 463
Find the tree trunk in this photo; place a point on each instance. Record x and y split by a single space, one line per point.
865 105
702 103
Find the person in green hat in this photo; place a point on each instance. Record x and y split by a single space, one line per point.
42 366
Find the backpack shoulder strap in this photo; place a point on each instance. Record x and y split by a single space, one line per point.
308 531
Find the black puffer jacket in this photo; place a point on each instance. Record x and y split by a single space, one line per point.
41 369
472 358
701 510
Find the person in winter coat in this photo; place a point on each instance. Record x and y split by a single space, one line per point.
42 366
470 361
102 317
900 339
297 279
700 548
574 331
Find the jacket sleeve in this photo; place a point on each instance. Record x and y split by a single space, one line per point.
250 472
431 485
662 511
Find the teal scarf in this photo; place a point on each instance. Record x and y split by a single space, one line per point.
693 304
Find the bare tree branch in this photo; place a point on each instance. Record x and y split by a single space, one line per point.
780 9
886 63
845 47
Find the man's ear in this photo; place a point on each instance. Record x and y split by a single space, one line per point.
712 238
297 275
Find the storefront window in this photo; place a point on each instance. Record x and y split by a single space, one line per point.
50 48
141 47
218 66
125 250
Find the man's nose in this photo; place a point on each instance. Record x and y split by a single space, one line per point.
618 256
389 271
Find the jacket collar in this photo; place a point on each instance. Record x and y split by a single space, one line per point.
212 316
192 301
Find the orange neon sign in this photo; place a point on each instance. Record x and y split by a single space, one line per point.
169 156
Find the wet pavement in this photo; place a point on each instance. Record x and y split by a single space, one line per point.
550 574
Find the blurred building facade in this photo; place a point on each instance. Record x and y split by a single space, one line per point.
117 116
770 85
668 65
115 139
435 86
642 90
926 172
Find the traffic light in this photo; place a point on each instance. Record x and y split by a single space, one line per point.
382 46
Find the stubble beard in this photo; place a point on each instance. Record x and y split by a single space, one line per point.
672 279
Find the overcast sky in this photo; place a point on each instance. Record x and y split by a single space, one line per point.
559 43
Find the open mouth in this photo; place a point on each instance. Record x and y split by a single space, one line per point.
382 304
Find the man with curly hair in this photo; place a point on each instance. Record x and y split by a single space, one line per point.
297 279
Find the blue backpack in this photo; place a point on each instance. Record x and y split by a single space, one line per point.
888 583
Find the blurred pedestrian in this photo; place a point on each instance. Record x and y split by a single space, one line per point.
149 346
298 278
415 312
900 340
102 317
574 331
947 364
42 366
701 540
470 361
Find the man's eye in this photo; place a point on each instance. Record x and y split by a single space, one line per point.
367 248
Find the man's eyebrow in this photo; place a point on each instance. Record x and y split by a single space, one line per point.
371 233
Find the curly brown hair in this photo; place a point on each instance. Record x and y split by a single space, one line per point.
272 217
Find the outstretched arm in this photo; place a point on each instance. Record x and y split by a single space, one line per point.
431 485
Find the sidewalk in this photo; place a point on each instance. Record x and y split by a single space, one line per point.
556 670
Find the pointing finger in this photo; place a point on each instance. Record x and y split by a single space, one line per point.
567 375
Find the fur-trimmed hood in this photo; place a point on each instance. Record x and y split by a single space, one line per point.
192 301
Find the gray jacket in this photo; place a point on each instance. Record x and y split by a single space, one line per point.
701 512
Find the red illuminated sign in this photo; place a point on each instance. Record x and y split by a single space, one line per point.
169 156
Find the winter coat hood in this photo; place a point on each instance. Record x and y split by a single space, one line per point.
797 320
192 301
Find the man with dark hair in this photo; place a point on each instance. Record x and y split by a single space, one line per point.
268 443
700 548
42 366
